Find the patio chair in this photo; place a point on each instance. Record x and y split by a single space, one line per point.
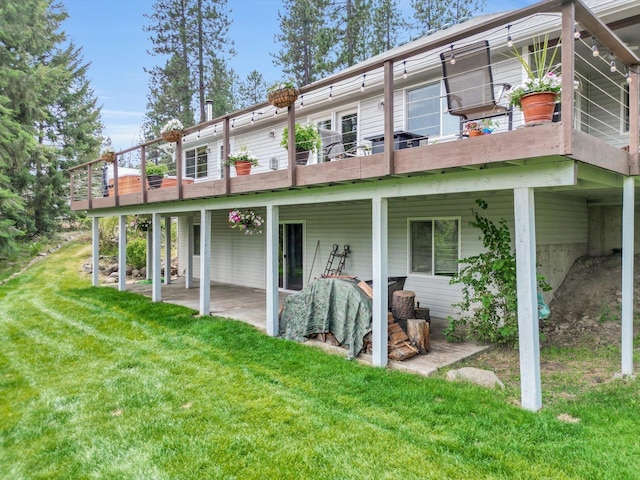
333 148
469 84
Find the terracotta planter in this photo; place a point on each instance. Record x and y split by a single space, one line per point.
243 168
476 133
538 107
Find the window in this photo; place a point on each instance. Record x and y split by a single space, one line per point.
427 112
196 162
434 246
346 124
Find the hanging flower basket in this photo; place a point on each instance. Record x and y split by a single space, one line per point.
172 130
108 157
283 98
246 221
171 136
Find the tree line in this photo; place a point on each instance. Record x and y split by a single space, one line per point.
50 119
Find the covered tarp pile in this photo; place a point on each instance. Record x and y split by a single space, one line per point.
328 305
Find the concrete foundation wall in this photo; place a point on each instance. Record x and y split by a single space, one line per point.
605 230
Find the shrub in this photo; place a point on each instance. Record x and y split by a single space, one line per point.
489 297
137 252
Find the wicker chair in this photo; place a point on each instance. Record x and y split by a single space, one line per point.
469 84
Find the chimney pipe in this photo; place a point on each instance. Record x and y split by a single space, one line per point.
209 109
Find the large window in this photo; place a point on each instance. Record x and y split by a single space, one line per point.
427 112
344 123
434 246
196 162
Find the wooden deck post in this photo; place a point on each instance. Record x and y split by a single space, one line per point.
379 261
634 120
226 136
143 172
291 125
205 262
156 285
122 253
527 291
568 74
388 116
95 251
273 218
627 274
188 271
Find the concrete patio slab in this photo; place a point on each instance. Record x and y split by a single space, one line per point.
249 305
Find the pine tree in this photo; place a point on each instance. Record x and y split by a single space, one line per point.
433 15
48 118
251 90
387 24
192 36
307 40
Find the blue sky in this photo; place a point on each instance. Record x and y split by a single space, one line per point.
111 35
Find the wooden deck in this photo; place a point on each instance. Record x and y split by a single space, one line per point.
249 305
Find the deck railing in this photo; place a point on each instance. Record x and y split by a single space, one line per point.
604 105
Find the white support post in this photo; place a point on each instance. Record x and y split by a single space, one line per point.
380 291
627 274
273 219
527 291
156 283
167 250
149 265
122 253
95 251
205 262
188 272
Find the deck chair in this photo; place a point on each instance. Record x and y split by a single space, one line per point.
469 84
333 148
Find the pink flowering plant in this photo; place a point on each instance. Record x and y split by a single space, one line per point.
541 76
247 221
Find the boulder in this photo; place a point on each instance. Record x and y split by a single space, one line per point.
484 378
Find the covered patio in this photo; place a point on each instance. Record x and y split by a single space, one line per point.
249 305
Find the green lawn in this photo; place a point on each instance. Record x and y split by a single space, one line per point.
100 384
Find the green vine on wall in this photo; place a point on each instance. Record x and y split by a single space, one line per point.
489 299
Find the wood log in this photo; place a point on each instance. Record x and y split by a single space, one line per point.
422 312
418 333
396 335
403 304
402 352
364 286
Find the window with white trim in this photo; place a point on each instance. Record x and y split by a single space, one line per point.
196 162
434 246
427 111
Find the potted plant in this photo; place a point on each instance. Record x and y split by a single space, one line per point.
282 94
476 128
172 130
155 174
307 140
538 94
242 160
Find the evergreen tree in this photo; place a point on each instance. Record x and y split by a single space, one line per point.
251 90
192 36
387 24
48 118
432 15
307 40
352 20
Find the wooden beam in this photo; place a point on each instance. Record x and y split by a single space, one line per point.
628 215
379 261
388 116
226 145
205 262
568 75
273 225
634 121
291 141
179 166
598 153
597 28
529 343
143 172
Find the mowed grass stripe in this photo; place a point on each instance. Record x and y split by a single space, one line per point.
104 384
